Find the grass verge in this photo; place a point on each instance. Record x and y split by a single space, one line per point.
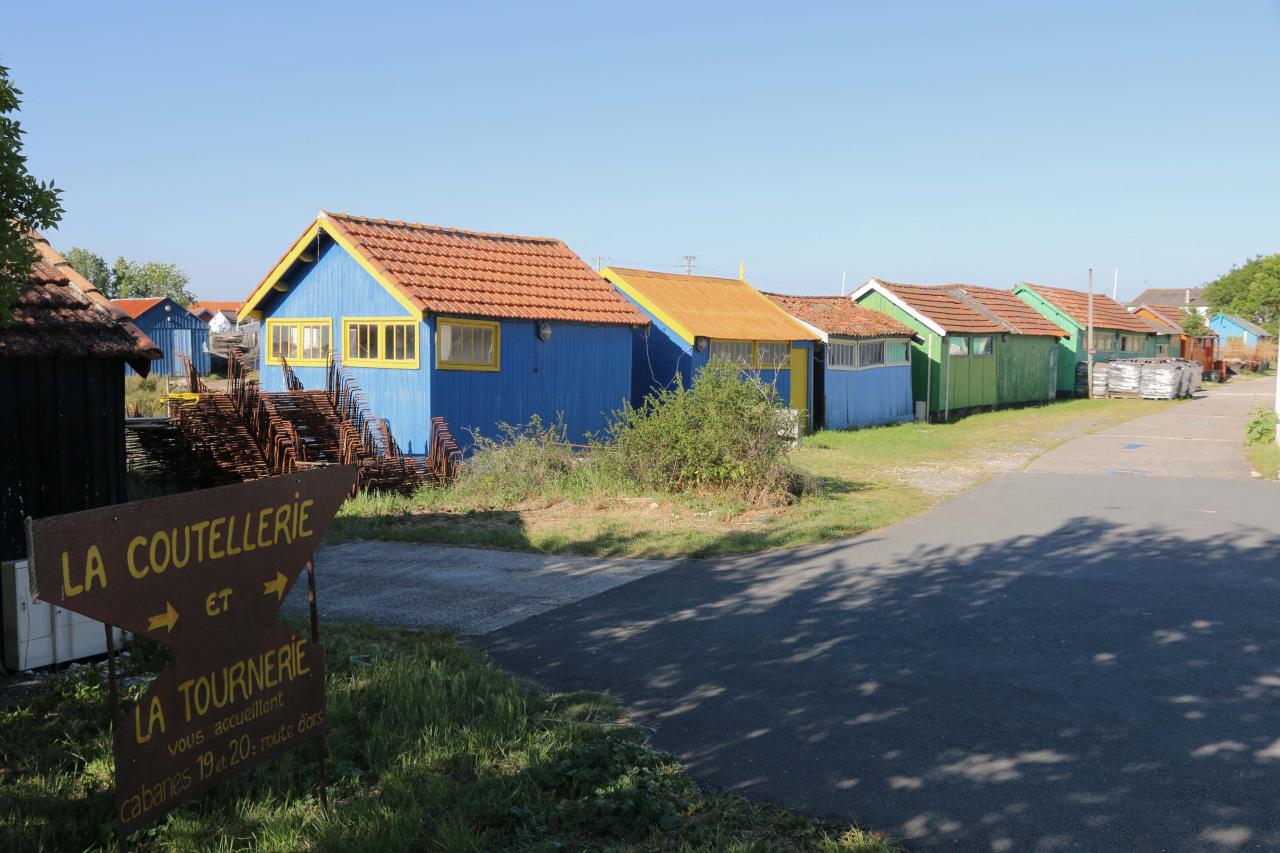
863 479
430 747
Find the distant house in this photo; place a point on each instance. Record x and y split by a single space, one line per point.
174 329
1232 327
977 347
478 329
221 316
62 363
1117 333
1185 297
697 319
1201 348
861 364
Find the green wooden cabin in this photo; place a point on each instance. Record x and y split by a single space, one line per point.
1117 333
978 347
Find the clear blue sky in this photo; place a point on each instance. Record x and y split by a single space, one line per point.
980 142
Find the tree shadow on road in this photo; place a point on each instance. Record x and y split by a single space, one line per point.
1095 687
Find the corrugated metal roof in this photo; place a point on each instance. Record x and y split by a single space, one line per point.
60 312
840 315
1248 326
705 306
1107 313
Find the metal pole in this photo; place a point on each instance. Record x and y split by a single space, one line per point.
1090 344
113 689
315 638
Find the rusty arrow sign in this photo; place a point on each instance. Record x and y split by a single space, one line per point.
204 573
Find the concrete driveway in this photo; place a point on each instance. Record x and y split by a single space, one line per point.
472 590
1198 438
1051 661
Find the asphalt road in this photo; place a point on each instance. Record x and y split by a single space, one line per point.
1050 661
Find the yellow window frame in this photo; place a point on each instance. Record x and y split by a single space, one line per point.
274 323
380 359
491 366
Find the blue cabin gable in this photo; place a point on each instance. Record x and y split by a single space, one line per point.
581 372
177 332
334 288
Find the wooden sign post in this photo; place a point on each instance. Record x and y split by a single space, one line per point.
204 573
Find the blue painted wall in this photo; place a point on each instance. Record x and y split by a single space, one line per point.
1228 329
336 286
660 357
175 331
867 397
583 373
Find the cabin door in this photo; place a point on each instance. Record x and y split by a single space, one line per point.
800 384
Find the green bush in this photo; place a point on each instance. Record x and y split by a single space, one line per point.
524 461
148 393
1262 426
727 433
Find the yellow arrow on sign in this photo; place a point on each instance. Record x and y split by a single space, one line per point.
277 586
165 620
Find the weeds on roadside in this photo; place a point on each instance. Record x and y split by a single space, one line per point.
1262 425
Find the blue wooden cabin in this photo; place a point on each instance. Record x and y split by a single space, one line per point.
479 329
1231 327
174 329
861 364
698 319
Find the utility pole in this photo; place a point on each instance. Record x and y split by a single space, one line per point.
1115 284
600 259
688 263
843 276
1090 356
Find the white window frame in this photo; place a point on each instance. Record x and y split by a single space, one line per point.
1127 339
855 347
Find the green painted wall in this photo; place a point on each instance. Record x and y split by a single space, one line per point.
1027 368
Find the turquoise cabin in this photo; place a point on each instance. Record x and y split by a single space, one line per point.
861 363
1231 327
478 329
698 319
1117 333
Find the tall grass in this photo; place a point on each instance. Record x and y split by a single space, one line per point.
430 748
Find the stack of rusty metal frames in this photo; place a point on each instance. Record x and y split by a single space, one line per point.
245 433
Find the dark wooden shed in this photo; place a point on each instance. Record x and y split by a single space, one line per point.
62 364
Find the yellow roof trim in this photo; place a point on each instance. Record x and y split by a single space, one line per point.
708 306
323 223
659 314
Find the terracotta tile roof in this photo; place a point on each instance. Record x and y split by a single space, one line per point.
213 307
135 308
1172 315
1164 319
1107 313
944 307
706 306
451 271
1009 310
840 315
59 312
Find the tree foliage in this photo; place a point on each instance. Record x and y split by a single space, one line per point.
126 279
25 202
1193 323
1251 291
92 267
